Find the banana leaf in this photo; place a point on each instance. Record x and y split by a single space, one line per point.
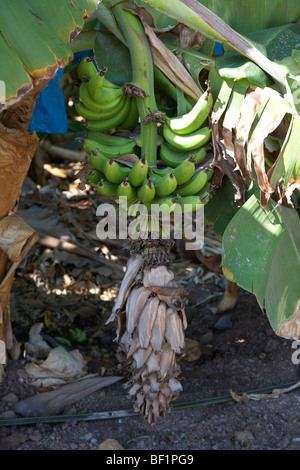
110 52
201 19
246 17
34 41
222 207
262 255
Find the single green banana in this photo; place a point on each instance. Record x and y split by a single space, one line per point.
146 192
191 121
126 189
138 172
107 124
187 142
109 140
97 160
133 117
103 113
114 172
106 188
195 184
94 176
86 68
108 150
164 185
184 171
173 158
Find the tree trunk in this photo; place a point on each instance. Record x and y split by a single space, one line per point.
17 148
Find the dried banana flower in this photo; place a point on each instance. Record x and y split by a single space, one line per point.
150 334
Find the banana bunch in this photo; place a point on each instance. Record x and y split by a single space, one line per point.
150 334
102 103
184 133
185 184
180 181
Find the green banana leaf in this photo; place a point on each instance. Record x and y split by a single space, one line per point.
34 41
222 207
247 16
262 255
201 19
111 53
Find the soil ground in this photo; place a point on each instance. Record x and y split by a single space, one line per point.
236 351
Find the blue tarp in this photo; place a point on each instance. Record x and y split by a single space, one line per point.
50 115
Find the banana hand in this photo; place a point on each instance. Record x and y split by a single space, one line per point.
192 120
173 158
106 94
109 140
187 142
103 112
114 121
109 151
86 99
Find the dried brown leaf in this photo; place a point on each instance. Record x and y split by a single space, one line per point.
168 63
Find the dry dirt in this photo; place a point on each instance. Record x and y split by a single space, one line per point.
237 352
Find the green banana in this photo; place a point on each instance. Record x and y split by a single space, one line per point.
114 172
86 68
114 121
164 185
195 184
183 204
189 141
96 82
106 188
146 192
184 171
103 112
126 189
173 158
190 203
97 160
138 172
132 119
106 94
86 99
108 150
170 201
109 140
94 176
191 121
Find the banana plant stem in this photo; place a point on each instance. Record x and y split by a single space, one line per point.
142 75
